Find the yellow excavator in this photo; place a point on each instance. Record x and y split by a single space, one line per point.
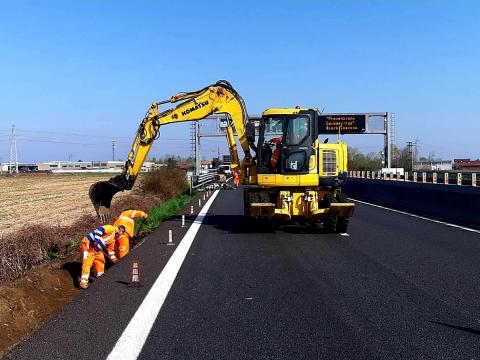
291 176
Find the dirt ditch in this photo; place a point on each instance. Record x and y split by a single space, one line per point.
29 301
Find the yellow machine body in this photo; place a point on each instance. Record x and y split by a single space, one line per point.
292 176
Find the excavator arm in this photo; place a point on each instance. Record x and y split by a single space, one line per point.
214 99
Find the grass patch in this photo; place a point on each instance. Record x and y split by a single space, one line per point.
159 214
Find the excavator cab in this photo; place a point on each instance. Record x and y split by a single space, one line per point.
286 141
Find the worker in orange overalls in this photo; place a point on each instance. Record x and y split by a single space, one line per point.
276 153
126 218
236 178
99 240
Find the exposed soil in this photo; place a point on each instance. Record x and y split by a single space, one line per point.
29 301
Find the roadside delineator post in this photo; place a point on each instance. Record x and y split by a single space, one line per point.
434 178
424 177
459 179
191 210
474 179
135 273
203 197
405 176
199 202
414 176
445 178
183 220
170 238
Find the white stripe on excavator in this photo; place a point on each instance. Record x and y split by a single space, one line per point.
419 217
130 344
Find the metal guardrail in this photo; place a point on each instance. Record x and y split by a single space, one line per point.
446 178
197 181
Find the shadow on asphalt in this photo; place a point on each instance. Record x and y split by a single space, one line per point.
240 224
461 328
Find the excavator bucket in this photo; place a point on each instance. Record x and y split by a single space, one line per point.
101 194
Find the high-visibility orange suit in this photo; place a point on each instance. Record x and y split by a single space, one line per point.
236 178
126 218
102 238
276 153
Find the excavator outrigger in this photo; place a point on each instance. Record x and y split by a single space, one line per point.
304 182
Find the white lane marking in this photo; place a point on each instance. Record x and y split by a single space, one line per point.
130 344
344 234
419 217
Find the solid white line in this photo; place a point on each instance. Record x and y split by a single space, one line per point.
130 344
419 217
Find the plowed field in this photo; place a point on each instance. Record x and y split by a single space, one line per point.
47 199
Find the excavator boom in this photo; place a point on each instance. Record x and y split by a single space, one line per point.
214 99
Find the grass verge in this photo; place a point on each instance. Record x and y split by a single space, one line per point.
159 214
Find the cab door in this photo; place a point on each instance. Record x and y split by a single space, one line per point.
297 147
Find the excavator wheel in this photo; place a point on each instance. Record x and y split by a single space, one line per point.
330 222
342 222
342 225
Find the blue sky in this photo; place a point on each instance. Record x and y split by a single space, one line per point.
91 68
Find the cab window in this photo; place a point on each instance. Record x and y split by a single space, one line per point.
298 130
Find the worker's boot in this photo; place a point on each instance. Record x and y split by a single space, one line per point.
83 284
98 274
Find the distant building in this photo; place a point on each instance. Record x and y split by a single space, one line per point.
206 164
434 165
90 166
186 166
22 167
466 165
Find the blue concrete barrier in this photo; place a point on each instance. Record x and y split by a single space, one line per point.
457 204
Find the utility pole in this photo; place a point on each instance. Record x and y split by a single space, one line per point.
410 154
13 151
198 160
416 149
114 143
193 144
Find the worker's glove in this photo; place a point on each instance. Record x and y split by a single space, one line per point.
145 216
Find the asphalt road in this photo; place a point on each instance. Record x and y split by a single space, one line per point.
396 288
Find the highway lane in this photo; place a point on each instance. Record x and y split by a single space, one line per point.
383 292
396 288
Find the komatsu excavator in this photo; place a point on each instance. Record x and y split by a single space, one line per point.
291 176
